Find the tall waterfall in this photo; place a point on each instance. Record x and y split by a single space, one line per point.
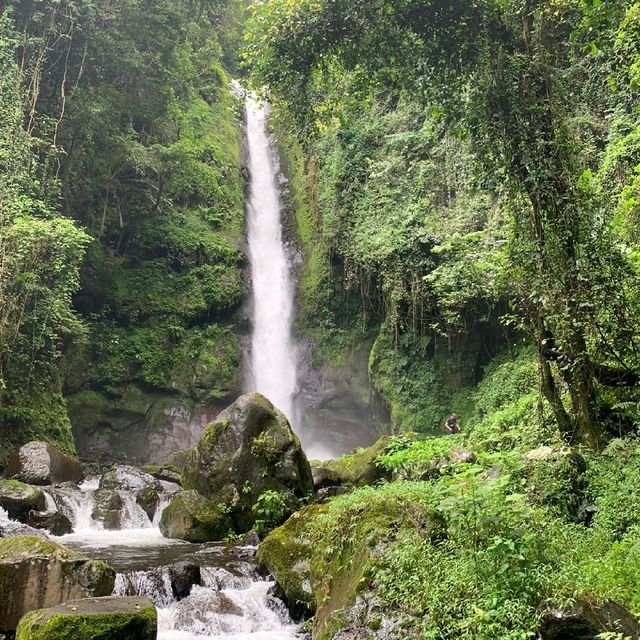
273 352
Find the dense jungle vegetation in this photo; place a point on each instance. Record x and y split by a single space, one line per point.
464 186
464 177
121 210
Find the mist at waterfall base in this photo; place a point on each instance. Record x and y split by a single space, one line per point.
232 601
278 366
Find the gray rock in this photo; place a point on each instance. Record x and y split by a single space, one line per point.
18 499
53 521
107 508
248 450
588 619
37 573
128 478
42 464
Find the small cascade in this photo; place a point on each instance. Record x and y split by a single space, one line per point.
77 504
220 602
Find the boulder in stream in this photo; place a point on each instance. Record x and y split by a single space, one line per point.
53 521
18 499
110 618
108 508
41 463
248 450
36 573
191 517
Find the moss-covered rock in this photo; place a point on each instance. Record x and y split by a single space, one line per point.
324 556
18 498
109 618
192 517
353 469
555 478
37 573
248 450
170 467
41 463
286 554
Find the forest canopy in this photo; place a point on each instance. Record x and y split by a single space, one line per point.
532 106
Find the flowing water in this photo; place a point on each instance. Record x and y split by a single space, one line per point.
273 363
226 598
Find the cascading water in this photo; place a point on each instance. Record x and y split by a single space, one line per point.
201 591
273 365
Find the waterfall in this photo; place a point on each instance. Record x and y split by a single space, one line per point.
273 352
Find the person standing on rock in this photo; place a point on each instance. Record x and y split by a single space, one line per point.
451 425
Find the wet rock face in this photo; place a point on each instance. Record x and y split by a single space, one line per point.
249 449
107 508
40 463
18 499
145 487
56 523
37 573
110 618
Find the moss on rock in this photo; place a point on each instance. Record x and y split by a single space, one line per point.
192 517
355 469
110 618
18 498
249 450
36 573
286 553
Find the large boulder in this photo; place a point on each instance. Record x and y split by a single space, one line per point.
37 573
191 517
111 618
589 620
18 499
42 464
249 449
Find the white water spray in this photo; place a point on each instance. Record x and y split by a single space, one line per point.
273 351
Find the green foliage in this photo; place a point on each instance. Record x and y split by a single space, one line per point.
269 509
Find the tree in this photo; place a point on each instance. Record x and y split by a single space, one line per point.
505 72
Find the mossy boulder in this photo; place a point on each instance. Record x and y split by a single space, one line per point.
353 469
110 618
41 463
286 554
37 573
170 467
192 517
248 450
18 499
325 555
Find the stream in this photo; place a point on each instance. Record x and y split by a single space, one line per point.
202 591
